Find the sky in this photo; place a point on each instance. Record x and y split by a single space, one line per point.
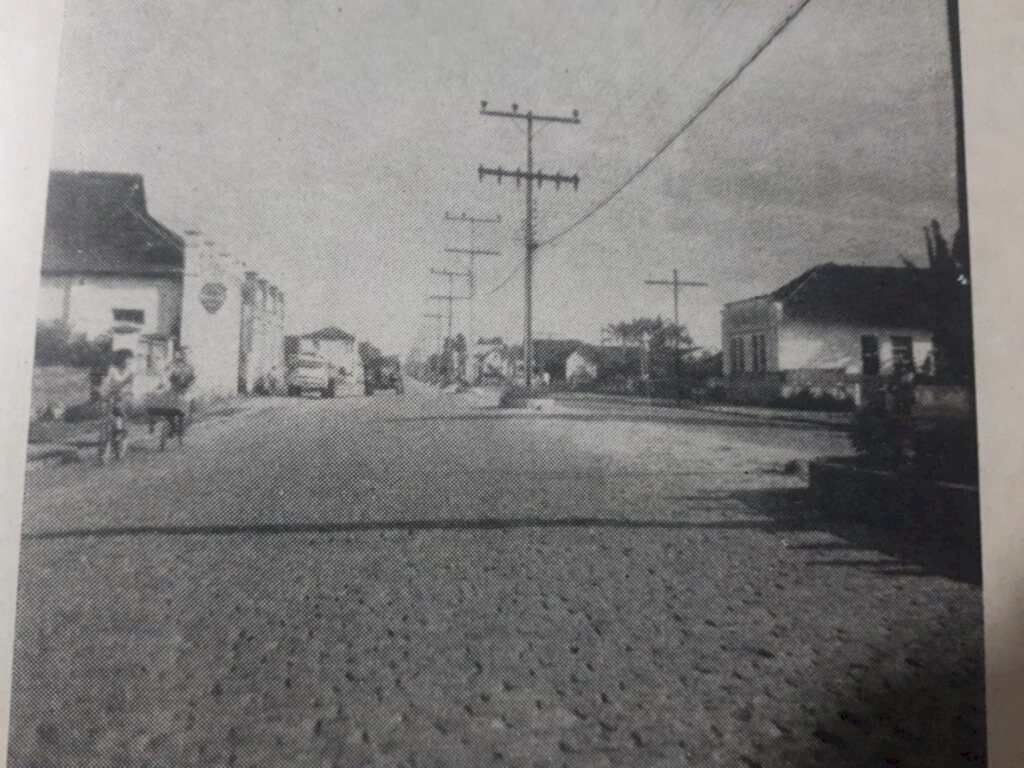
322 142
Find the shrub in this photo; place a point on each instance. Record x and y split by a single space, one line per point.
56 345
881 437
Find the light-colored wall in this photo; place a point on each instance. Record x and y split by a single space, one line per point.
213 338
754 317
831 346
577 366
86 302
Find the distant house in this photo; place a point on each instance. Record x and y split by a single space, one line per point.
589 363
551 355
828 331
498 360
108 267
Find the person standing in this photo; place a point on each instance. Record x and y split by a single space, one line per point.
115 391
180 378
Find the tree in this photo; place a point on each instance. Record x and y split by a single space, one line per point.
57 345
660 332
950 310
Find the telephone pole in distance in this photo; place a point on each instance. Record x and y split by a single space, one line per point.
451 298
472 252
675 283
530 177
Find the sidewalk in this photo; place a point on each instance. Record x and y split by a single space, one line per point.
838 420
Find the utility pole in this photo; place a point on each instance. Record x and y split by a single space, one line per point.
953 27
529 177
439 318
676 284
472 252
451 298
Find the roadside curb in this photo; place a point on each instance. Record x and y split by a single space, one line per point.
841 424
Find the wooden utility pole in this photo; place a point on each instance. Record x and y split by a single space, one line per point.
676 284
472 252
451 298
530 178
439 318
953 25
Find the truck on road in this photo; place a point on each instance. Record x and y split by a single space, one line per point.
309 372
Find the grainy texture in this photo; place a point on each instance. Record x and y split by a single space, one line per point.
411 581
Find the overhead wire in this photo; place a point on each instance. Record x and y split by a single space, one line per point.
584 67
696 115
707 25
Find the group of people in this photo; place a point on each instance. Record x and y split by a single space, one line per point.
170 400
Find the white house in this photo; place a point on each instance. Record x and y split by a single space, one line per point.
111 269
829 331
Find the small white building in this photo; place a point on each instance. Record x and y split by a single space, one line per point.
829 331
109 269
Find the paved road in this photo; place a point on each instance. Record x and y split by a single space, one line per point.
415 582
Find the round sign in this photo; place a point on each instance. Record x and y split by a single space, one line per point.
212 296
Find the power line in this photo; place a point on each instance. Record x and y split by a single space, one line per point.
704 107
506 279
531 177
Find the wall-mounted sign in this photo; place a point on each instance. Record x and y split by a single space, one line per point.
212 296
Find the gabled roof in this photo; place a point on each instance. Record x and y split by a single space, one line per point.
884 296
604 356
547 351
98 223
331 333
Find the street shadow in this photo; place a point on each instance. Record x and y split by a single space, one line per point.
467 524
916 551
927 717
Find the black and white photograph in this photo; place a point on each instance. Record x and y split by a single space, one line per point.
537 383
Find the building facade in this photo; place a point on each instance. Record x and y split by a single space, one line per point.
830 331
109 269
261 353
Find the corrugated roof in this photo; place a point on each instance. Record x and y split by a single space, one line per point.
97 222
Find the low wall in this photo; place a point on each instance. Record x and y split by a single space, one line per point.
841 489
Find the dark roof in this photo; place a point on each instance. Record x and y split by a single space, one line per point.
889 296
604 356
331 333
547 351
98 223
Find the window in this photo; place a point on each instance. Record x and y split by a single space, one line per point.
134 316
759 353
902 354
737 354
870 363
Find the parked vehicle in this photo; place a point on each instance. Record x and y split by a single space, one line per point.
310 373
383 374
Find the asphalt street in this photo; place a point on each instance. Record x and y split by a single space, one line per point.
415 581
